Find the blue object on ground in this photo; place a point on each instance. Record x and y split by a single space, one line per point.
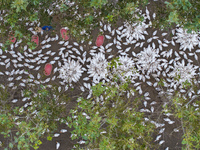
47 28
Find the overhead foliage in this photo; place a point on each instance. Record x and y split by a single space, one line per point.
83 16
181 12
111 119
186 111
24 126
80 16
15 15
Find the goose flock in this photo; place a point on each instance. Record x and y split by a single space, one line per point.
147 56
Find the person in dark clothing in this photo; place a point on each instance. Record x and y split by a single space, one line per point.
47 28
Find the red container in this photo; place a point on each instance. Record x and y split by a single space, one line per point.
35 38
63 33
100 40
47 69
12 38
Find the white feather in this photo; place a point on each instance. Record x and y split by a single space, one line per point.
118 32
52 62
105 27
113 32
111 56
161 142
10 78
53 78
56 58
14 100
43 42
120 28
62 48
161 130
56 38
118 47
82 88
47 46
57 145
66 43
158 137
152 109
76 44
109 50
61 42
69 46
22 84
38 76
56 135
18 78
55 70
37 68
53 53
127 49
48 52
8 65
81 48
63 130
145 103
86 79
154 33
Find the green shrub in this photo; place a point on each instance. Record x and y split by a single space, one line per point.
182 12
25 126
110 120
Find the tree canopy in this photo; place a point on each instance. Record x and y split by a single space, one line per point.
80 16
83 16
180 12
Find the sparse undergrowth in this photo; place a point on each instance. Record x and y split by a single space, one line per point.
185 109
24 126
111 119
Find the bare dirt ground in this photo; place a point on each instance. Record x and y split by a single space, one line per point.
169 138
